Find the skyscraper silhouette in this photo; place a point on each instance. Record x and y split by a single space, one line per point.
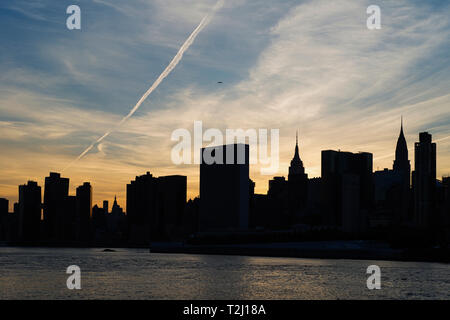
141 208
278 216
55 195
84 211
393 196
224 188
105 206
115 220
296 167
347 189
297 187
29 211
172 192
444 214
401 162
70 219
424 181
402 167
4 207
155 207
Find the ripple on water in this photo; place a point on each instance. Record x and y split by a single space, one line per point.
31 273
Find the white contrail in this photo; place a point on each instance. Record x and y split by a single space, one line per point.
161 77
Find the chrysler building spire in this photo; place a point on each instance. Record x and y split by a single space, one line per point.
401 161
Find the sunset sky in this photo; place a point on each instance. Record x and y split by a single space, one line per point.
307 65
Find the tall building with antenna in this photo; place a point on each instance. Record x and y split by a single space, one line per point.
393 196
402 168
297 187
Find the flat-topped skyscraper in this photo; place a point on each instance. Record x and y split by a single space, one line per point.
4 208
347 189
424 180
83 210
224 188
155 207
55 206
29 211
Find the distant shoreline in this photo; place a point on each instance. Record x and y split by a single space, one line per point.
406 255
352 250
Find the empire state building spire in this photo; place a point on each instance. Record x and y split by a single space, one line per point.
296 166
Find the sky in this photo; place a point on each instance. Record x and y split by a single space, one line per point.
311 66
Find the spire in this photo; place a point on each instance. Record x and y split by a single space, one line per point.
401 150
296 163
401 136
401 125
115 200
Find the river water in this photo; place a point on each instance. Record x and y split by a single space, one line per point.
40 273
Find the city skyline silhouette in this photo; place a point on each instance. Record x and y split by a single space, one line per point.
63 89
349 197
193 186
